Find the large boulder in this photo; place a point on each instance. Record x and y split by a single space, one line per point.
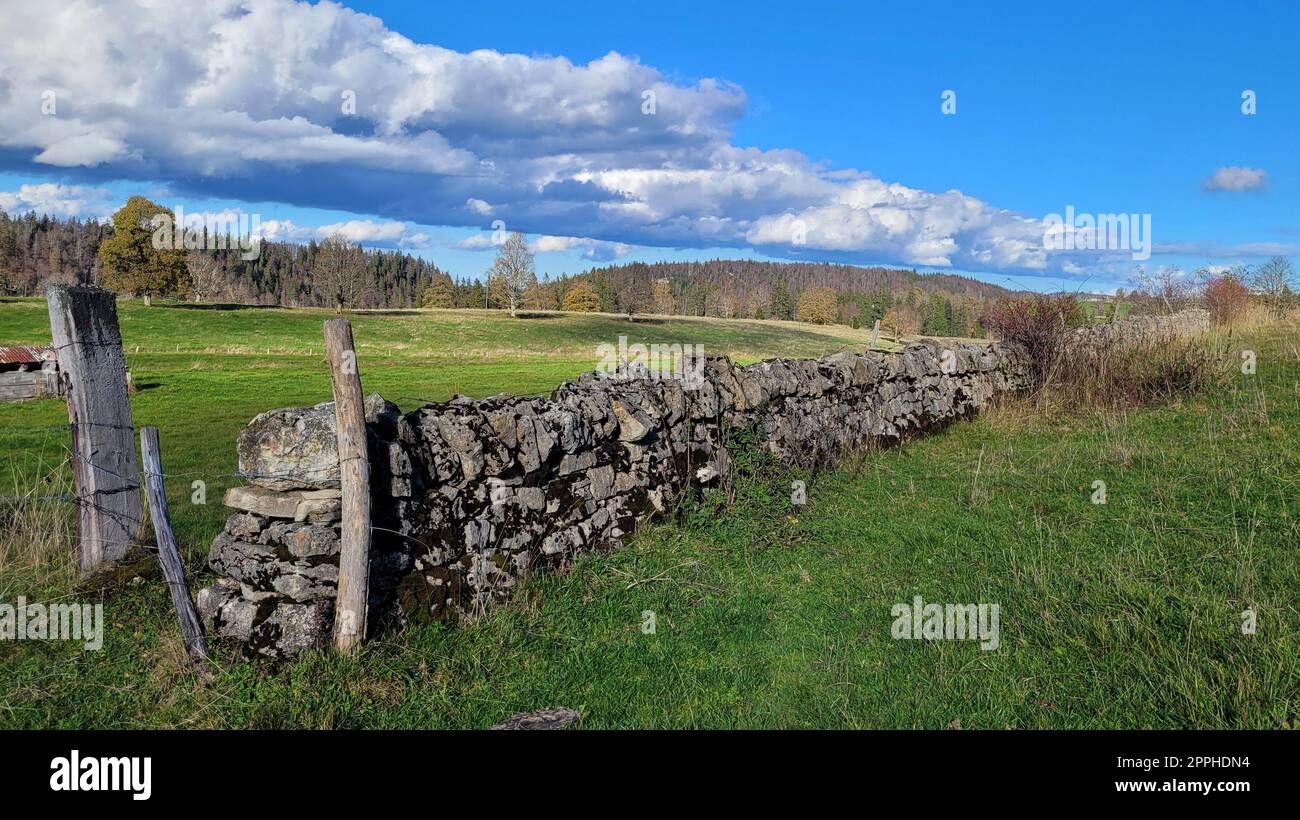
296 448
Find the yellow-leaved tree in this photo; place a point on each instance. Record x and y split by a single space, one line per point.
141 257
581 299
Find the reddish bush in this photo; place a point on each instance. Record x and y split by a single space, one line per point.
1038 323
1225 297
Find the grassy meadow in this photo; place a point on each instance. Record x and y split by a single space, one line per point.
1116 615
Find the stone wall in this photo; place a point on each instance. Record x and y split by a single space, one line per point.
469 495
1140 330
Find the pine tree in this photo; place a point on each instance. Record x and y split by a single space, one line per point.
781 304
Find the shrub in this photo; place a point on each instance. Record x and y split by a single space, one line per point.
1137 368
1038 324
1107 367
1226 297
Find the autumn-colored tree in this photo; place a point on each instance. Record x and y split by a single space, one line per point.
818 305
661 296
541 296
581 298
437 293
889 322
141 256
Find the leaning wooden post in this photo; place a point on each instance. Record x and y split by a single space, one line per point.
354 467
88 343
168 556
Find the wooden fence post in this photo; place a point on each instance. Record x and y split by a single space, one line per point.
168 556
88 342
354 467
875 334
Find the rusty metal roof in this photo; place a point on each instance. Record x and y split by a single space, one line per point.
25 354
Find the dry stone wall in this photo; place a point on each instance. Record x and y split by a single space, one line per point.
470 495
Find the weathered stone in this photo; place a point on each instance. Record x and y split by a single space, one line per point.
541 719
633 423
312 541
293 628
296 505
602 482
297 447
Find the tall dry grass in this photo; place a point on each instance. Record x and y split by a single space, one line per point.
1111 367
1143 367
38 529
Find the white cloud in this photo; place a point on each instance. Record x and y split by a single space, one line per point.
1236 178
594 249
477 242
371 232
362 231
57 200
245 99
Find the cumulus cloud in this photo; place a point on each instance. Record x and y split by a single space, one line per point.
594 249
57 200
316 105
361 231
1236 178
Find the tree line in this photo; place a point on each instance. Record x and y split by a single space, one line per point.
35 250
337 273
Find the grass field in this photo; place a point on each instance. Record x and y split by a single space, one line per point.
1126 614
204 371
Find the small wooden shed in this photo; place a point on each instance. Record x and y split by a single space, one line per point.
29 373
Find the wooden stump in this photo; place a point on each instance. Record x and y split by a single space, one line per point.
88 342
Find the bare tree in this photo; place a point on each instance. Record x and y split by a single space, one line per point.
205 274
634 299
1274 280
1168 284
512 273
340 273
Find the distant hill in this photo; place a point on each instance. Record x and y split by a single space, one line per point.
757 278
936 303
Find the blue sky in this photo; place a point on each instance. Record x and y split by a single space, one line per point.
820 121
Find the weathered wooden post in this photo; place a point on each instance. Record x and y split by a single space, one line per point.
88 342
168 556
354 469
875 334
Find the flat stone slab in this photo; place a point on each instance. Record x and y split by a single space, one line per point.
316 506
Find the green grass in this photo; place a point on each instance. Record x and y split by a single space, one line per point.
205 371
1125 614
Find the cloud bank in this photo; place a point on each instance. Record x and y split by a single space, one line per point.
320 106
